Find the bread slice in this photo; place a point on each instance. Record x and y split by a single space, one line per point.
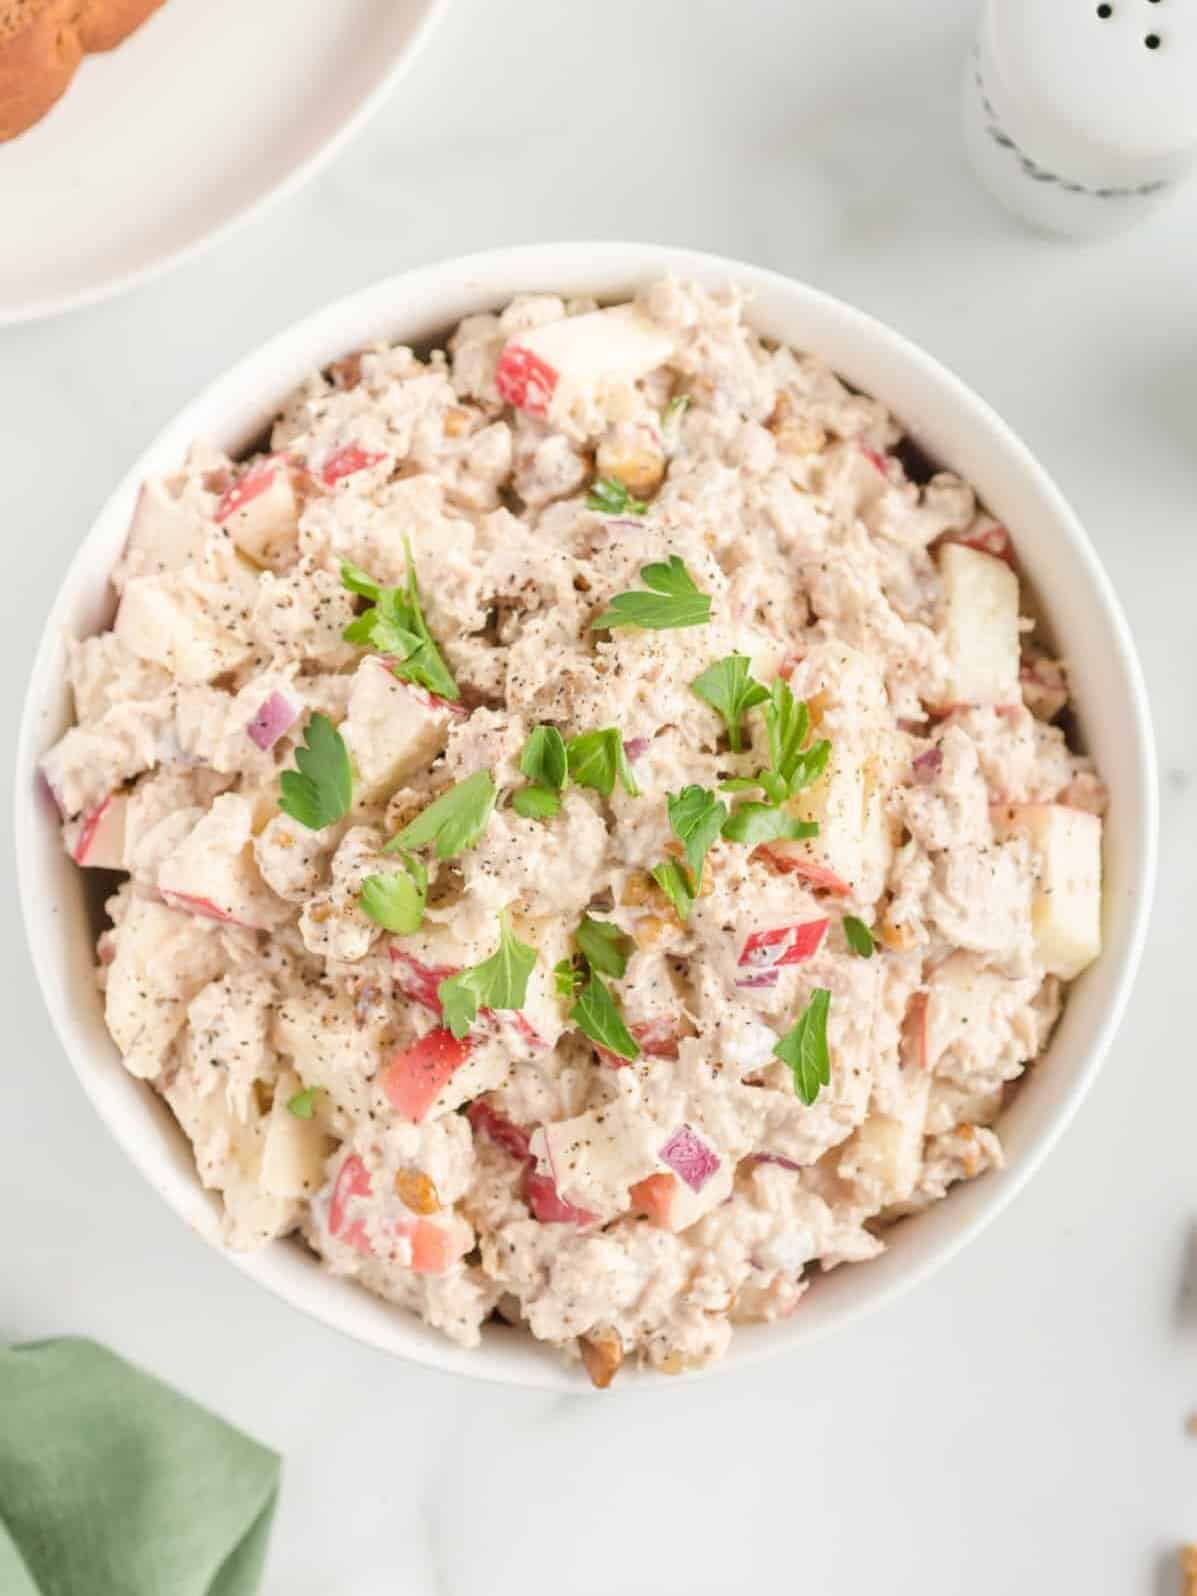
42 43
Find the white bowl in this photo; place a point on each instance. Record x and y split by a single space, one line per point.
954 427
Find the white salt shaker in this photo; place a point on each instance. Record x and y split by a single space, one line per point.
1080 115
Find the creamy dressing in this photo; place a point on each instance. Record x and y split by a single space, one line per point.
241 975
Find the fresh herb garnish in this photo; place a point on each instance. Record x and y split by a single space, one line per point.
604 946
859 937
675 409
321 790
787 721
728 688
535 803
673 601
677 884
500 982
596 758
568 978
544 759
303 1104
454 821
597 1016
545 762
804 1048
394 625
753 823
610 497
696 817
396 901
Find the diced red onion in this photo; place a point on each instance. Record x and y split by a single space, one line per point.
276 715
762 978
636 522
775 1158
927 766
691 1159
638 747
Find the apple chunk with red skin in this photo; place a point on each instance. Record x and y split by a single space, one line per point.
98 839
550 363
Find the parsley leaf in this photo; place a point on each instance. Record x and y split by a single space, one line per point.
321 790
396 901
609 497
303 1104
568 979
544 760
787 721
359 581
500 982
756 822
804 1048
535 803
697 817
727 687
674 601
394 625
677 884
604 946
596 758
454 821
860 938
597 1016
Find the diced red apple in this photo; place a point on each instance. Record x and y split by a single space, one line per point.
980 626
595 1157
784 944
261 511
416 1075
353 1180
817 876
389 730
550 363
671 1205
1066 904
346 462
212 870
487 1121
436 1245
416 980
987 536
653 1197
99 838
547 1204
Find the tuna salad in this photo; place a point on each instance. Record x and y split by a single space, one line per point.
596 843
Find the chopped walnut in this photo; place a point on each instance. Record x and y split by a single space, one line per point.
602 1356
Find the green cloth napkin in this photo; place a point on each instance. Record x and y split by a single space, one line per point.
112 1484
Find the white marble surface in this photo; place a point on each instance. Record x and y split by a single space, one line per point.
1018 1423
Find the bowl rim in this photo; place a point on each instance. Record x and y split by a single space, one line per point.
496 274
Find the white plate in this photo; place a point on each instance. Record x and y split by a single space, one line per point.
208 110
